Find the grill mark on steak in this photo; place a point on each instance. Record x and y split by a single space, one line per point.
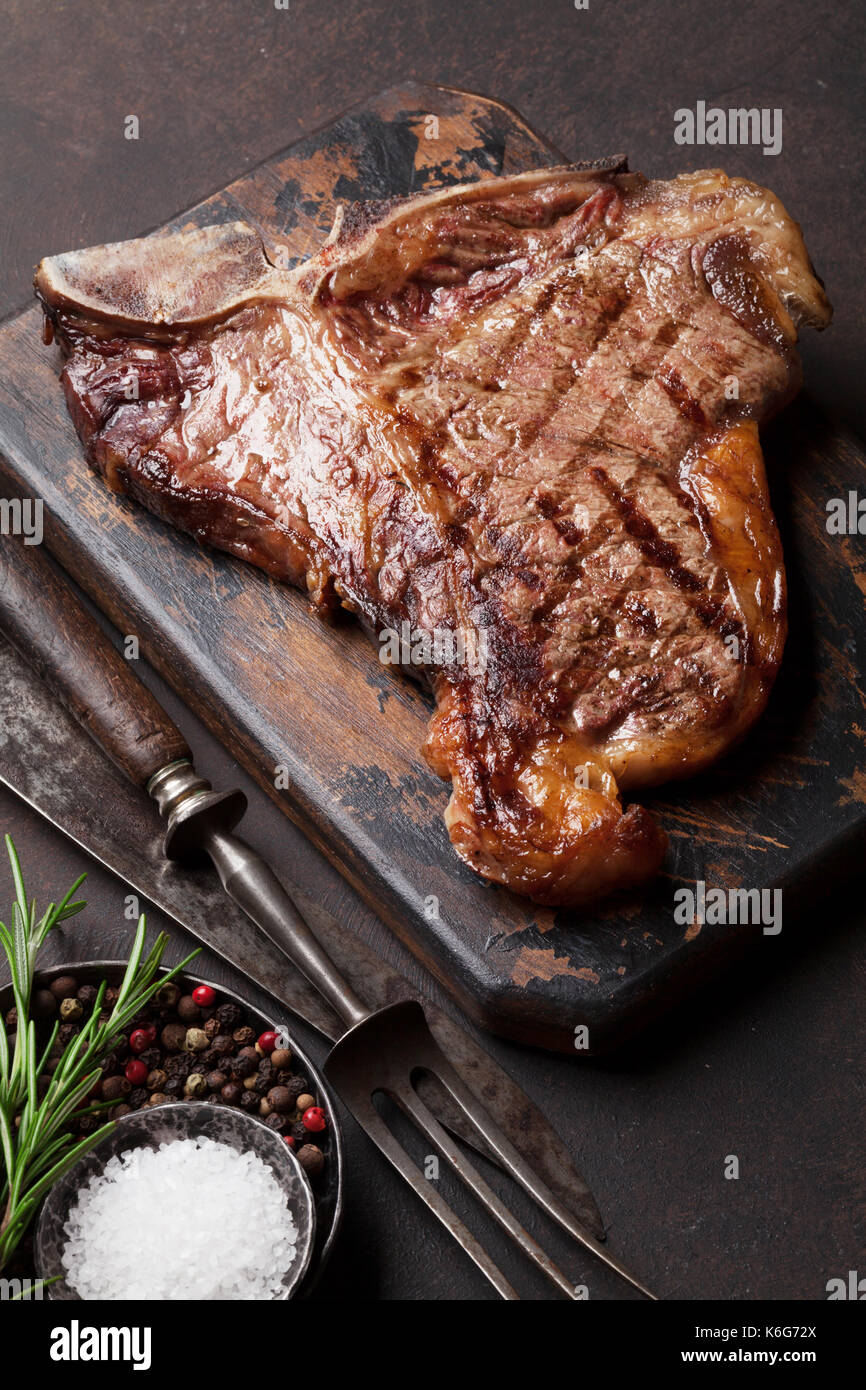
449 417
666 555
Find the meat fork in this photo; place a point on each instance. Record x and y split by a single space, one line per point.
383 1050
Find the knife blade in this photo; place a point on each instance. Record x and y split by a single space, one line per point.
47 760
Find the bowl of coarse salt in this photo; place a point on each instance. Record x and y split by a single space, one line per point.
181 1201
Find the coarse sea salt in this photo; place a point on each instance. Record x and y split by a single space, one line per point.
193 1219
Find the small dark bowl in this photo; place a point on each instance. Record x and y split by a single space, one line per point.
328 1189
149 1129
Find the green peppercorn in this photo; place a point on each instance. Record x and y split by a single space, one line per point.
167 995
196 1085
156 1080
195 1040
71 1010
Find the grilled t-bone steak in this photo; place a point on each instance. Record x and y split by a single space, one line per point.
524 409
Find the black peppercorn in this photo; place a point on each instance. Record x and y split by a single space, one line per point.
229 1016
114 1087
88 1123
245 1037
223 1045
151 1056
111 997
207 1060
11 1019
137 1096
297 1086
174 1087
299 1133
66 1032
249 1101
311 1159
261 1085
109 1064
231 1093
240 1068
173 1037
156 1079
64 987
43 1004
212 1029
216 1080
266 1067
188 1010
276 1121
120 1110
87 996
179 1064
280 1099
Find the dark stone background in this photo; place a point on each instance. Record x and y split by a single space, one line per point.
769 1070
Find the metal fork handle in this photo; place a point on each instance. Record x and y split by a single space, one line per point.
252 884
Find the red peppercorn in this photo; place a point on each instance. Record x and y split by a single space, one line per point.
135 1072
140 1039
204 996
267 1042
314 1119
287 1139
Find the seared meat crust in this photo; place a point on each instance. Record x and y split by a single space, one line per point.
523 410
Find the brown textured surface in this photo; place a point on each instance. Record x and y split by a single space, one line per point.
767 1066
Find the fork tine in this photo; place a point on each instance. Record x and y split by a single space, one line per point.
409 1101
521 1171
371 1121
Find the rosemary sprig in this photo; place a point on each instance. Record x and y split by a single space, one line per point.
37 1143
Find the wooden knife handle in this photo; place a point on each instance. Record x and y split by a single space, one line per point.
44 619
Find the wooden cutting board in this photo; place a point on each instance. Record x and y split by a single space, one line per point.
284 692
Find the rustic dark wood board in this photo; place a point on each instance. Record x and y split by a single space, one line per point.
282 689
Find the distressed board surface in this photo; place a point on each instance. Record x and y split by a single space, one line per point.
282 690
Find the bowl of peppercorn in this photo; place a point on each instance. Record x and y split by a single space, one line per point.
199 1042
